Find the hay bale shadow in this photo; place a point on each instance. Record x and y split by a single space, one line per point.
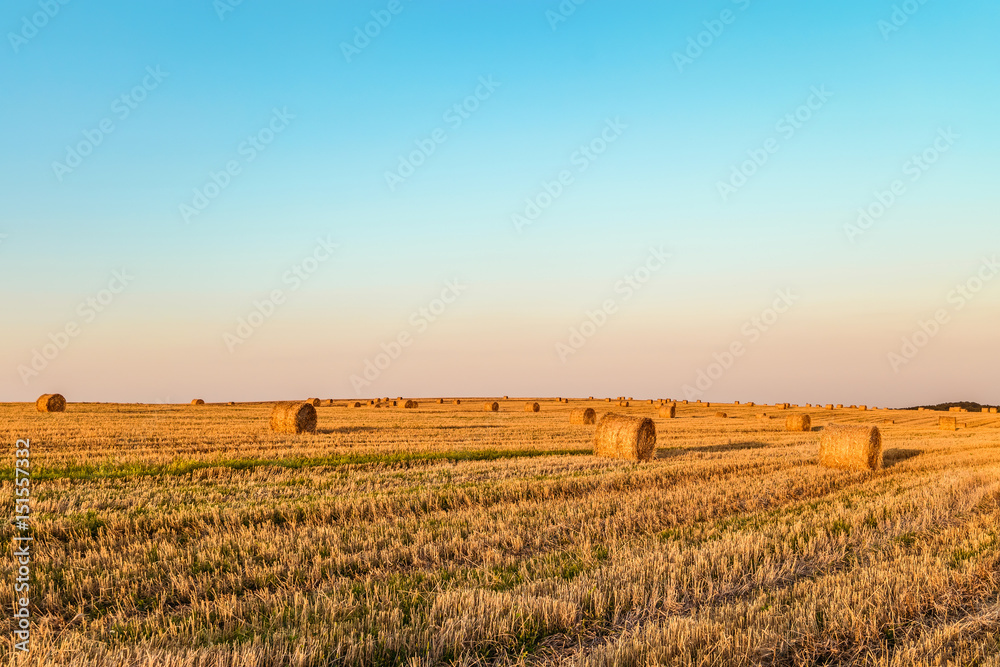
891 457
669 452
731 447
346 430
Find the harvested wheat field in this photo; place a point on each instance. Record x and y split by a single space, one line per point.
446 534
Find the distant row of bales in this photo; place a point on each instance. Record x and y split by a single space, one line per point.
853 447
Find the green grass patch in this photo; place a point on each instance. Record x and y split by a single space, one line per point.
113 470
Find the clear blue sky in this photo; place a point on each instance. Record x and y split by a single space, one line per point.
673 131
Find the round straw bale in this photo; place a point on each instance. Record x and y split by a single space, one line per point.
590 398
440 401
668 411
608 400
51 403
621 437
851 447
583 416
506 397
491 406
531 407
198 401
798 423
721 415
356 404
395 403
829 406
751 404
623 404
232 403
409 404
371 401
293 418
313 402
457 402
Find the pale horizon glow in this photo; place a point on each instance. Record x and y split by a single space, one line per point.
899 314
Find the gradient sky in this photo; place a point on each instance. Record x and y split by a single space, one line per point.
682 130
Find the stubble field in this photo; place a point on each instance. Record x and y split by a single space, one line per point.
191 535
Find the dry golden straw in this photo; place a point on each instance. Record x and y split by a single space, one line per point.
293 418
623 404
313 401
948 423
457 402
583 416
51 403
668 411
621 437
409 404
721 415
491 406
356 404
851 447
198 401
440 401
798 423
532 407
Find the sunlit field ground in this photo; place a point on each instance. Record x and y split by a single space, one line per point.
191 535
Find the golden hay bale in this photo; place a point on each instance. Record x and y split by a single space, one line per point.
313 402
293 418
751 404
621 437
948 423
608 400
590 398
395 403
232 402
721 415
840 406
456 402
407 404
955 409
51 403
440 401
371 402
708 405
862 407
532 407
851 447
993 411
986 410
493 406
828 406
583 416
198 401
356 404
798 423
623 404
668 412
506 398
